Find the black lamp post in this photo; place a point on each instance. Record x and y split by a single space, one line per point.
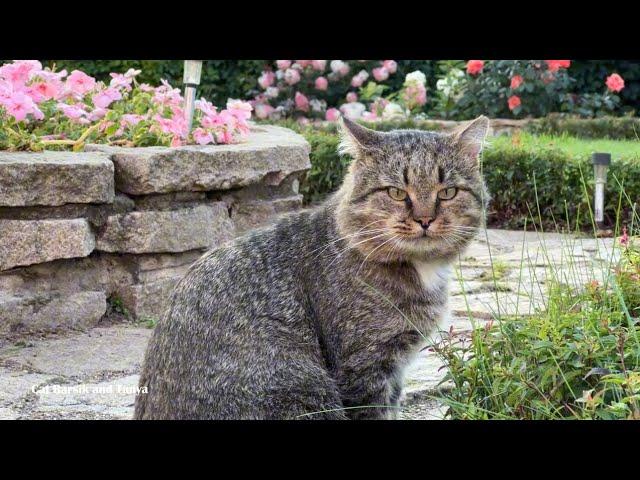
601 162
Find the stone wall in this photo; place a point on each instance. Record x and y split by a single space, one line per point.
125 224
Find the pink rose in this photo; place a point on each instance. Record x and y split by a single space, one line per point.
266 79
263 110
390 65
352 97
291 76
303 63
283 64
474 67
332 115
357 81
380 74
614 82
302 102
321 83
319 65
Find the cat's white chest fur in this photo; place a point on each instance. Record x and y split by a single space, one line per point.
433 275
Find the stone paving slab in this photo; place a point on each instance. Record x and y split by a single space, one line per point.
101 351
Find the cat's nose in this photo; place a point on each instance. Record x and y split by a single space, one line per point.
424 222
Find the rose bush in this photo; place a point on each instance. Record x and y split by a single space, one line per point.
42 108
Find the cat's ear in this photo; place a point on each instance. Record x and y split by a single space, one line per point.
356 139
471 137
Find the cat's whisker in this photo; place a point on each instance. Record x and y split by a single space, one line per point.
371 252
349 247
357 234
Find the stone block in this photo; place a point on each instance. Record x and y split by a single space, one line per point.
55 178
166 231
25 242
269 155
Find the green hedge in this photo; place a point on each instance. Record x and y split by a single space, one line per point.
514 169
619 128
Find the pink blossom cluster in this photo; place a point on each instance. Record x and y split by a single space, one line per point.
313 88
78 99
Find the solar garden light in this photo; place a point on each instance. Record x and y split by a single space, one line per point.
191 80
601 162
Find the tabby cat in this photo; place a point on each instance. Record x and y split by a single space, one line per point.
317 316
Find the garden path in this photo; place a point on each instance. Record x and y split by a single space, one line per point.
94 375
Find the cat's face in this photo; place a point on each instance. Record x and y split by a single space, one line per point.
412 194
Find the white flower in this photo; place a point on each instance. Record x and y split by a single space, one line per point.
417 77
318 105
392 110
339 67
353 110
363 74
271 92
132 73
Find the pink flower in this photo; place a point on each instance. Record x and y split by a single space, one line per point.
303 63
283 64
266 79
176 141
624 239
514 102
80 83
414 95
474 67
357 81
369 116
19 106
97 114
130 119
263 110
73 112
291 76
302 102
18 72
516 81
319 65
614 82
119 80
206 107
239 109
321 83
352 97
380 74
390 65
202 137
332 115
555 65
44 91
145 87
106 97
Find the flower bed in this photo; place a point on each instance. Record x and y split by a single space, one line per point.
44 109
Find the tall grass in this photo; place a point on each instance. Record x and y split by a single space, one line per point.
576 355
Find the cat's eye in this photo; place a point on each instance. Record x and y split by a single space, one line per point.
447 193
397 194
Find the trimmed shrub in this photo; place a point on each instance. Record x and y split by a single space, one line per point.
522 172
617 128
